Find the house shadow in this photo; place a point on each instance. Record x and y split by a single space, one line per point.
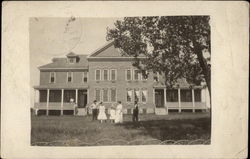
179 129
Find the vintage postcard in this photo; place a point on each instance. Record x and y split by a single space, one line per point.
125 79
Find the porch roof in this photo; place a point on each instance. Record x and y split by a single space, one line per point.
181 83
62 86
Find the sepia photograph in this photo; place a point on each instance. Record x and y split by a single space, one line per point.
124 79
120 81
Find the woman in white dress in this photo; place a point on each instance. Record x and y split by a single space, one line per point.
118 113
102 115
112 114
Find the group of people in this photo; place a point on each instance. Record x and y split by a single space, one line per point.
116 113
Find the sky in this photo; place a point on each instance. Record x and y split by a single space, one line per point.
56 37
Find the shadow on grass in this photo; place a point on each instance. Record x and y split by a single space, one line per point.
180 129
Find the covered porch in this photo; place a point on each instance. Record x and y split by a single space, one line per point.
61 100
180 99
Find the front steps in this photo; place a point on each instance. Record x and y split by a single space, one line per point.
161 111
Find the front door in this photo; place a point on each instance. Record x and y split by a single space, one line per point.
82 99
159 98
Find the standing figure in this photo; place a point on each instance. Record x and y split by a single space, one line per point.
118 113
94 110
112 114
135 112
102 115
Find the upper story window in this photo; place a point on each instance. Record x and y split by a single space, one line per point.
156 77
85 77
97 75
113 75
144 78
105 75
52 77
128 75
69 76
136 75
71 60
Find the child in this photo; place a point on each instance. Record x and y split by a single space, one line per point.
112 115
102 115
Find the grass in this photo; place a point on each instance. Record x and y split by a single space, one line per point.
80 130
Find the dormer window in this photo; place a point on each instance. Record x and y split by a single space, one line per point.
72 58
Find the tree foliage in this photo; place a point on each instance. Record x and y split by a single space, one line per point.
172 45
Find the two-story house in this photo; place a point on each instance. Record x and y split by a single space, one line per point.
107 76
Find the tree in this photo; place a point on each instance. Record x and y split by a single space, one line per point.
174 46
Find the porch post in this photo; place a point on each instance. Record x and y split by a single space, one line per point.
193 101
47 111
179 99
165 99
154 96
35 100
76 101
62 95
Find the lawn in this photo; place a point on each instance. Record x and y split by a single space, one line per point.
184 128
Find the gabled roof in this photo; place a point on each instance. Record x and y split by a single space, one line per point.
71 54
61 63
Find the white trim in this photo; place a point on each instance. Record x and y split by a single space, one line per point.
111 74
137 89
83 76
131 77
144 89
100 94
103 95
129 89
100 74
111 94
138 75
143 78
67 80
63 68
108 77
54 77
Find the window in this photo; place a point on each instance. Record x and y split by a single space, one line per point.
113 95
172 95
55 95
197 95
137 95
97 75
113 74
129 95
144 78
42 95
136 75
105 75
98 95
105 95
186 95
128 75
156 77
71 60
144 95
69 94
85 77
70 76
52 77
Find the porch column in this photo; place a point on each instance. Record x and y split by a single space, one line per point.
35 100
154 96
76 101
165 99
62 95
193 101
179 99
88 96
47 111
